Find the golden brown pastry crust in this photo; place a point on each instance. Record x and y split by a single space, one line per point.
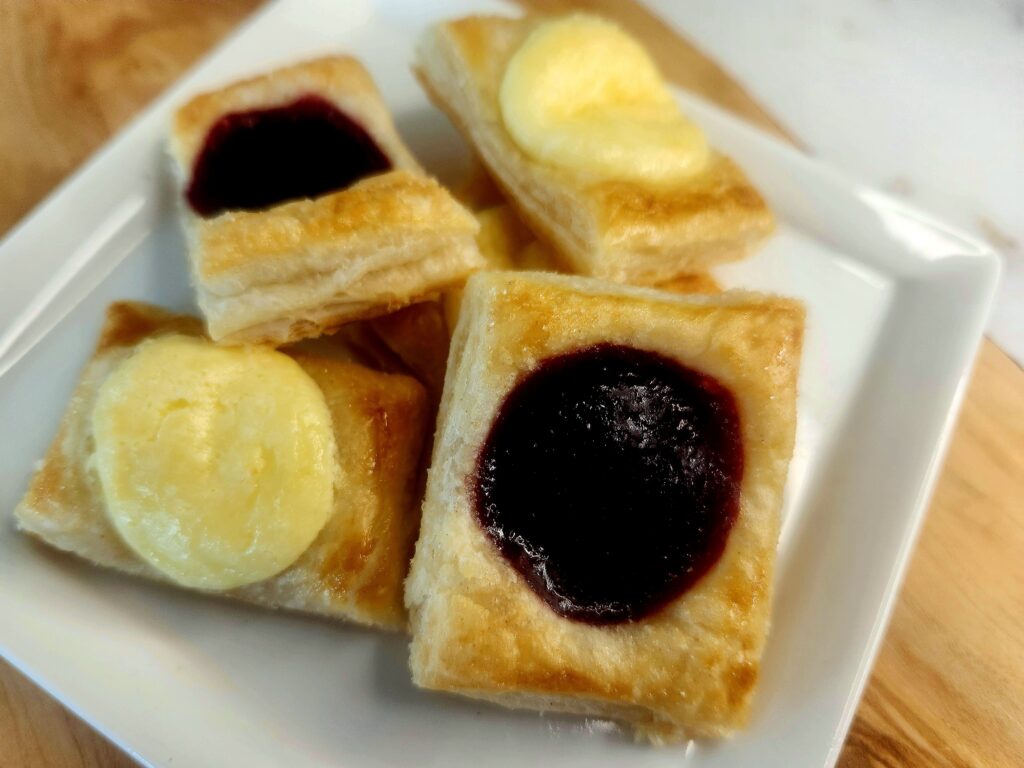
619 230
699 283
478 630
476 189
413 340
302 268
355 567
419 336
505 242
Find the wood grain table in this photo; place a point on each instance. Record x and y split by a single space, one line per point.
948 687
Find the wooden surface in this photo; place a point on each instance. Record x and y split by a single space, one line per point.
948 687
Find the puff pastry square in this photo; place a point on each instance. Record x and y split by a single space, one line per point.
618 230
355 567
300 268
690 668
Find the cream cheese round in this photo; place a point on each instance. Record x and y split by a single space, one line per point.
579 93
217 464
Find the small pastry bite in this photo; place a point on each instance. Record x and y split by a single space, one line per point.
303 208
286 480
574 122
602 511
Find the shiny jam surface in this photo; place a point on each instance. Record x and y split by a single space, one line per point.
610 480
256 159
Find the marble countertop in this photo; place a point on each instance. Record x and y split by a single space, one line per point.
921 98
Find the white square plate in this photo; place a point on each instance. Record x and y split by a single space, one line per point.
897 303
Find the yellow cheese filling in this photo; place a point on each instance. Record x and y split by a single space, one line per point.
581 94
217 464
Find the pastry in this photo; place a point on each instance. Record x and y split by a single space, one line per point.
698 283
288 481
419 336
505 242
476 189
602 511
303 209
412 340
574 123
503 237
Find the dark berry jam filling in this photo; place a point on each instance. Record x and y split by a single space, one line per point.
610 480
256 159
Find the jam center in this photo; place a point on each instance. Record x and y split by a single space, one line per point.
256 159
610 481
